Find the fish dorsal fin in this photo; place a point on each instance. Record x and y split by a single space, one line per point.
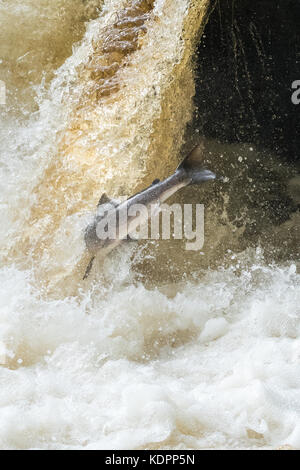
156 181
104 199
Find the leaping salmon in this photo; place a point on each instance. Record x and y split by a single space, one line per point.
190 171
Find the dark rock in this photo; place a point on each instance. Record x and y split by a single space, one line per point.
245 66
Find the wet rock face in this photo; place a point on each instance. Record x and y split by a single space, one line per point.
246 64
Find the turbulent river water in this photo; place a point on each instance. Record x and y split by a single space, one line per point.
160 348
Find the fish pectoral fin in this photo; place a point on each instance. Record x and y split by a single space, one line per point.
104 199
129 238
89 268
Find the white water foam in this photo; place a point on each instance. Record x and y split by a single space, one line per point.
215 366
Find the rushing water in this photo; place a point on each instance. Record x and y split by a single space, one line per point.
160 348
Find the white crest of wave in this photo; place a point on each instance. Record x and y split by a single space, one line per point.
215 366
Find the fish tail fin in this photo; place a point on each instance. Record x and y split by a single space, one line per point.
89 268
192 167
